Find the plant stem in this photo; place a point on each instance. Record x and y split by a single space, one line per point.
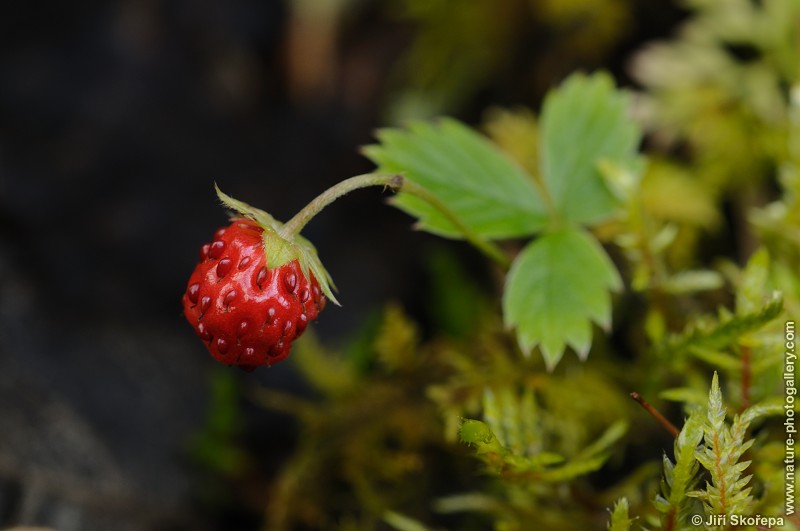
670 427
746 375
397 183
296 224
486 247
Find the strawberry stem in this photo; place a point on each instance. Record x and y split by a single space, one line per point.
486 247
295 225
397 184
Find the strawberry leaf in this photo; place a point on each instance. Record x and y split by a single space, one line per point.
488 192
557 286
584 124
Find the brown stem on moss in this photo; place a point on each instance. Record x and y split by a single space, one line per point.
670 427
746 376
669 521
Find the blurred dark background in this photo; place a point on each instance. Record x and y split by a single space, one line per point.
117 117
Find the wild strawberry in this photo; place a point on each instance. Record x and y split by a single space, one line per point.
247 313
259 283
254 290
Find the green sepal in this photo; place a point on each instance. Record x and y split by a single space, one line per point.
264 219
280 249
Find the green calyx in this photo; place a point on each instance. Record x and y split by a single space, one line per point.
281 248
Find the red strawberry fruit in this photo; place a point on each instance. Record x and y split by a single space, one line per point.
259 283
254 290
246 313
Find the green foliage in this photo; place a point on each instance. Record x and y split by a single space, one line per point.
680 476
721 87
449 424
366 440
512 445
488 192
517 457
727 493
585 122
559 284
720 94
710 441
619 516
742 344
706 337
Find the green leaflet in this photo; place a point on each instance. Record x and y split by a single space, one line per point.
558 286
488 192
585 122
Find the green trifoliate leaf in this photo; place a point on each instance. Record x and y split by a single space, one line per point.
585 127
557 286
484 189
